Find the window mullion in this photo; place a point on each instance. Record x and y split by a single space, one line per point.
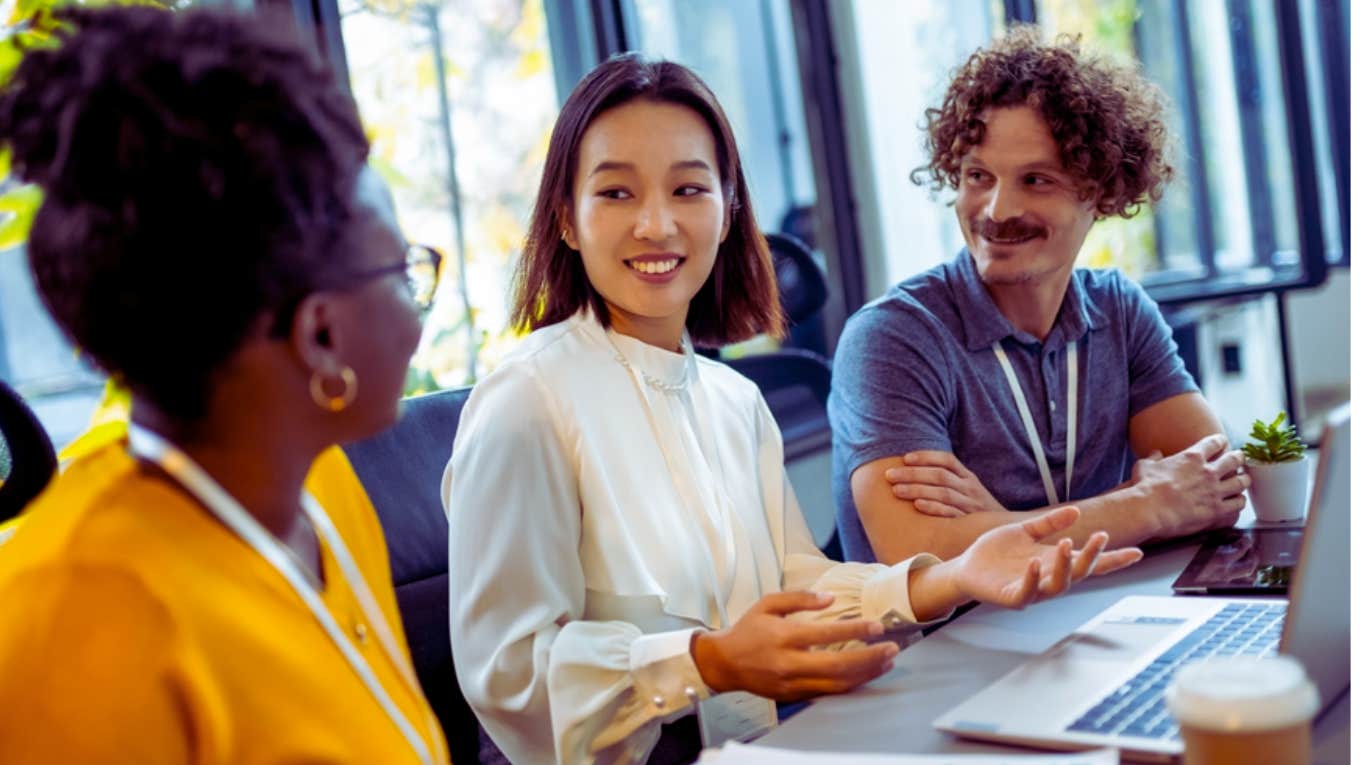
1247 79
1194 140
1298 127
1021 12
1336 67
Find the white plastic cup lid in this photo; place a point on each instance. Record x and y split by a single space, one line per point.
1242 694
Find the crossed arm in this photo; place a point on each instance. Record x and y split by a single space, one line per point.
1186 480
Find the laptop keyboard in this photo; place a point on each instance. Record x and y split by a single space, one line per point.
1136 708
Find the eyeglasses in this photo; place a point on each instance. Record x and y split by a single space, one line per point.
421 266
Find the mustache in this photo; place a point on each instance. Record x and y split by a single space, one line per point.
1011 228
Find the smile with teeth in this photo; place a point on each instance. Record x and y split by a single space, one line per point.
654 266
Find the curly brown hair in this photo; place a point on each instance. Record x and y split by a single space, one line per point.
1107 119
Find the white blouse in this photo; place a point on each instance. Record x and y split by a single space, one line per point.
606 499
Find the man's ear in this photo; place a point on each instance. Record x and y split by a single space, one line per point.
317 336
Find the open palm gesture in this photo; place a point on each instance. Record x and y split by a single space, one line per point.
1011 567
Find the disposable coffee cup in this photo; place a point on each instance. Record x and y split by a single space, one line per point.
1244 711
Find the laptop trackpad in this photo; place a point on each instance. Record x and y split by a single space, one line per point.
1050 690
1120 639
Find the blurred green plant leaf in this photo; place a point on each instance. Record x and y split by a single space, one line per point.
17 208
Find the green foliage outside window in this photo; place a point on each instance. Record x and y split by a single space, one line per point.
458 101
1106 26
31 25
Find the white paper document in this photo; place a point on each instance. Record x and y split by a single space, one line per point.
754 754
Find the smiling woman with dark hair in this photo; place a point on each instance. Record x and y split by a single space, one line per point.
212 587
624 548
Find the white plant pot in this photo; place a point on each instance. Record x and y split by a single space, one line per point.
1279 490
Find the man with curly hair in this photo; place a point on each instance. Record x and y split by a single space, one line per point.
1006 381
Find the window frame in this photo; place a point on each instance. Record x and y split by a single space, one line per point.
1178 287
583 33
1335 55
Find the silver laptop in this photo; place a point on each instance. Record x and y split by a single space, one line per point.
1103 684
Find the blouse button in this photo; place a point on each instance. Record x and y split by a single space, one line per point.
658 702
361 632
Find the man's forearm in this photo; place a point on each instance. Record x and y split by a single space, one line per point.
1126 513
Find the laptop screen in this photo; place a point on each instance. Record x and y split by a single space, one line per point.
1317 626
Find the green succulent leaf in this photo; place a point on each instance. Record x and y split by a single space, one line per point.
1275 442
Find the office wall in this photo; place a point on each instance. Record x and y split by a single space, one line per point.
1318 327
1319 323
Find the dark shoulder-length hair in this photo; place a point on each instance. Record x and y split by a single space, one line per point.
739 300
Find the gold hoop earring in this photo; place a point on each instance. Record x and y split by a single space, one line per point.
331 403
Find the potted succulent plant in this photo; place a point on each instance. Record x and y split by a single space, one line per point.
1278 469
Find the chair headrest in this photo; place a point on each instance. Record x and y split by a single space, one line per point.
32 460
401 469
802 284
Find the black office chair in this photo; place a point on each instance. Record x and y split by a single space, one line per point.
27 459
401 470
796 381
802 291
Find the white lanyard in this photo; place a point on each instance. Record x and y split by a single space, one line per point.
150 446
1033 433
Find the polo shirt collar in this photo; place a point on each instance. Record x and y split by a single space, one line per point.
983 323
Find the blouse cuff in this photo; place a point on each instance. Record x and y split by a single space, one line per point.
664 673
885 594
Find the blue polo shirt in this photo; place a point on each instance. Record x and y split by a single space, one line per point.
915 370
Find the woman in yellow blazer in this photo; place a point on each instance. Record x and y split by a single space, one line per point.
211 585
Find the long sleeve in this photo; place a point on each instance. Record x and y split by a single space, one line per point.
862 590
546 685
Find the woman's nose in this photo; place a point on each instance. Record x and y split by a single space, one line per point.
654 222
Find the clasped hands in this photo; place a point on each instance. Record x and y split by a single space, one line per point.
772 656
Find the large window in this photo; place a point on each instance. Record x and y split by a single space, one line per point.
1258 203
35 358
744 51
902 57
458 99
826 100
1326 48
1232 220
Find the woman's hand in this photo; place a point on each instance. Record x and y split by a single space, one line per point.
1011 567
771 656
937 484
